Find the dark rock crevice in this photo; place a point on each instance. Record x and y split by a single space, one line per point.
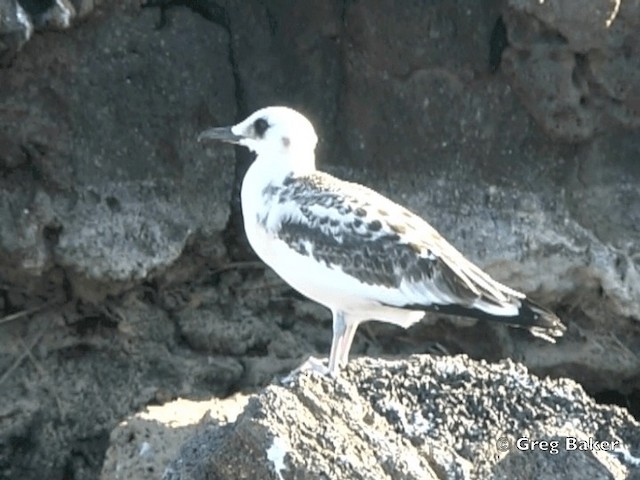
234 237
133 227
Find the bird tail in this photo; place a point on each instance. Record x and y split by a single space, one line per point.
538 320
541 322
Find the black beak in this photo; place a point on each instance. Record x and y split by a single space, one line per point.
222 134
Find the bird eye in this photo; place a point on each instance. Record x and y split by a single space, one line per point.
260 126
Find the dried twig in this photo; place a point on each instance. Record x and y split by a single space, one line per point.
238 266
27 312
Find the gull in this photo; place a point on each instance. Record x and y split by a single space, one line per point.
353 250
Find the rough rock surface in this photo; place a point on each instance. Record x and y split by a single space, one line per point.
574 65
143 445
439 133
15 30
19 19
511 125
101 173
424 417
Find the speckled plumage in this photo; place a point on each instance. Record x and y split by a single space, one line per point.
343 231
353 250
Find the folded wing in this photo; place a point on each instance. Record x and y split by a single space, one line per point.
379 243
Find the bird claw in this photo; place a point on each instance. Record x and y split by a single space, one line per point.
312 365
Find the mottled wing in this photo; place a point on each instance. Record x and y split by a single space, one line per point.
352 228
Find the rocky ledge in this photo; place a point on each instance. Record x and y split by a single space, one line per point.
420 418
512 126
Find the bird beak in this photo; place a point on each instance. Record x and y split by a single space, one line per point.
222 134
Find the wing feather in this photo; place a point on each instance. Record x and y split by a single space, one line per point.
350 227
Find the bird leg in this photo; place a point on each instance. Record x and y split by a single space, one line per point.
349 334
343 334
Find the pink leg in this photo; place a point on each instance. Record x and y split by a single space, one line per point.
343 334
349 334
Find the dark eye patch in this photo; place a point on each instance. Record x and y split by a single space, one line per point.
260 126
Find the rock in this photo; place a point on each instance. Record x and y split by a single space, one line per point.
18 20
285 53
15 30
112 183
118 358
424 122
511 126
142 446
424 417
84 7
57 15
573 66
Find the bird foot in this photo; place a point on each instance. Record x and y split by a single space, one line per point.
311 365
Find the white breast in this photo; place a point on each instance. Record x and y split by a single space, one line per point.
329 286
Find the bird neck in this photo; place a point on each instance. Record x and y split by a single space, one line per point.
265 173
274 169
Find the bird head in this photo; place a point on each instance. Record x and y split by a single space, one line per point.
274 133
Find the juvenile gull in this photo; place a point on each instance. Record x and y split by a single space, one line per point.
351 249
